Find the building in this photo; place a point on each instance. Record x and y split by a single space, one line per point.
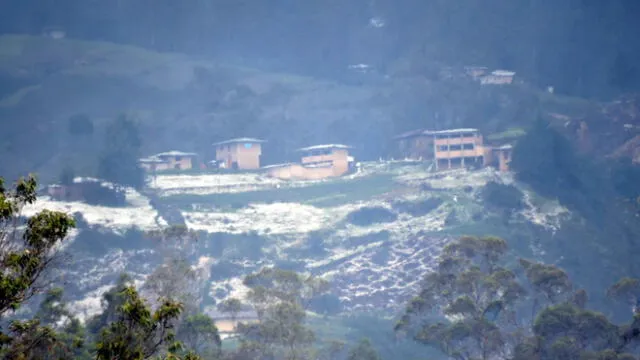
176 160
498 77
317 162
416 145
458 148
503 154
240 153
475 71
334 156
153 164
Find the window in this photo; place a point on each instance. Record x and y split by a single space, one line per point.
442 148
455 147
468 146
178 158
248 145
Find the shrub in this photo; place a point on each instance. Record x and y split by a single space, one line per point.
502 196
417 208
95 193
371 215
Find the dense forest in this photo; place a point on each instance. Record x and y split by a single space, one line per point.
581 47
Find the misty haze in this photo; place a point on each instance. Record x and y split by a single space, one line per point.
320 179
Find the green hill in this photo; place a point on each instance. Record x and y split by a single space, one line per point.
186 103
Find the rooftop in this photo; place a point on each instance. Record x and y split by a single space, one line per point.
325 146
450 131
503 73
239 140
504 147
151 160
174 153
278 165
433 132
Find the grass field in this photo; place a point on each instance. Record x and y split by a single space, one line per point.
327 194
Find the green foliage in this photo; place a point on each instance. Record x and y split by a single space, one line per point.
506 197
478 297
24 260
363 351
473 308
232 306
371 215
137 333
199 333
119 161
174 280
280 298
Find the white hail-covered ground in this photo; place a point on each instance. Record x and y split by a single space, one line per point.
275 219
138 213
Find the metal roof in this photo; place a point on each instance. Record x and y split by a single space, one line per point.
278 165
450 131
503 73
434 132
151 160
325 146
175 153
239 140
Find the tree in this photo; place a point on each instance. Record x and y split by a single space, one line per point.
363 351
174 280
137 333
280 298
201 335
119 161
470 299
473 308
26 256
232 306
54 333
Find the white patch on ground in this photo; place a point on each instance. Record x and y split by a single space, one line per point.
549 215
139 213
275 219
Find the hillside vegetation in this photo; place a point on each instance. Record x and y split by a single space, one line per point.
186 103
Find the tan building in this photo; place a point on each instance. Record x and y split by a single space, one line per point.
317 162
503 155
334 156
498 77
241 153
458 148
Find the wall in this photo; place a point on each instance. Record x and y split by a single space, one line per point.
416 147
299 172
338 157
504 159
245 158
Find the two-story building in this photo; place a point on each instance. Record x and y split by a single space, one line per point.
316 162
458 148
177 160
240 153
498 77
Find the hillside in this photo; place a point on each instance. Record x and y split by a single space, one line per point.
186 103
373 234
